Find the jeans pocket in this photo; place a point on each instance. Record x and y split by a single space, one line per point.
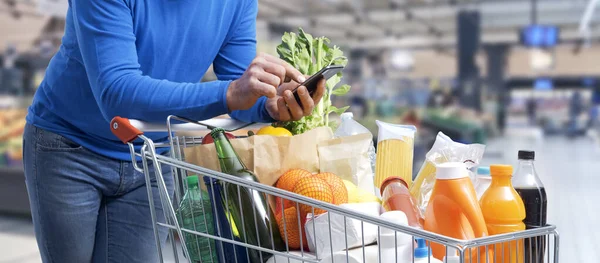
51 142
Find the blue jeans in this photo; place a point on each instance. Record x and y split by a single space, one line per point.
87 207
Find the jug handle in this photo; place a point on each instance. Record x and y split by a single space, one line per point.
472 210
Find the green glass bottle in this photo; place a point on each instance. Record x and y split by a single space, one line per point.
194 213
249 209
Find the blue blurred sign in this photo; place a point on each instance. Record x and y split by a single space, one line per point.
588 82
539 36
543 84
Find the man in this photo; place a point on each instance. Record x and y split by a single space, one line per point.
140 60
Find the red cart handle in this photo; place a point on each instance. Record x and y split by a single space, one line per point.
122 128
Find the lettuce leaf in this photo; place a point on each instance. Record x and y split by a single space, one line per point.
309 55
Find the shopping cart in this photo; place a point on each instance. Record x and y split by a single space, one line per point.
129 131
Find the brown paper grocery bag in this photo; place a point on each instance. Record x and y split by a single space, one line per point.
268 156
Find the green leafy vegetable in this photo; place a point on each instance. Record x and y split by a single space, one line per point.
309 55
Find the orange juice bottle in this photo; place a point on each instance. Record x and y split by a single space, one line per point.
504 212
453 211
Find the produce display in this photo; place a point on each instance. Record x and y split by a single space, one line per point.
12 124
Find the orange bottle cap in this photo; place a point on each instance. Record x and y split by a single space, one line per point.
501 169
390 180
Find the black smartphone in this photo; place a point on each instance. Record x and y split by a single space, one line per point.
311 83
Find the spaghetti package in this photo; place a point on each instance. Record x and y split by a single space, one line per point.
395 150
443 150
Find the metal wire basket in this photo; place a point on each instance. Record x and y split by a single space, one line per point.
338 223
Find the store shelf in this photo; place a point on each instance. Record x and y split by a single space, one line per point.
13 192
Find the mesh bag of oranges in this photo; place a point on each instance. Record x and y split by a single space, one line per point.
291 216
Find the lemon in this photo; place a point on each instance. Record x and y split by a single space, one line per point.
357 195
366 197
275 131
352 191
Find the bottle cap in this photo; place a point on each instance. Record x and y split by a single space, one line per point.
422 251
483 170
390 180
500 169
526 155
192 181
347 116
451 170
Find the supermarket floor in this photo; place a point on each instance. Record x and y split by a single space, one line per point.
568 168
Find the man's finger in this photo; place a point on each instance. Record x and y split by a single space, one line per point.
290 71
268 78
292 104
307 101
264 89
284 114
318 94
275 69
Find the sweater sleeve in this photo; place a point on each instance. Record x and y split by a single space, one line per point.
104 31
236 55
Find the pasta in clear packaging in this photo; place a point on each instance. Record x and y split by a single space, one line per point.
443 150
395 150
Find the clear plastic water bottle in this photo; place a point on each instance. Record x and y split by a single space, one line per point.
195 214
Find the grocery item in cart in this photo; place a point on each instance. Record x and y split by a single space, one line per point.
395 246
396 197
395 148
423 253
452 256
195 213
348 157
224 227
333 232
453 210
443 150
533 193
358 195
482 181
248 208
504 212
355 255
268 156
350 127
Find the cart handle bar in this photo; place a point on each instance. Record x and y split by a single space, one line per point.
127 130
122 128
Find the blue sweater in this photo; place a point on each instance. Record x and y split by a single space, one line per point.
143 59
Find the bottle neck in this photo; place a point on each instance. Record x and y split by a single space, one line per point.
228 158
526 164
503 180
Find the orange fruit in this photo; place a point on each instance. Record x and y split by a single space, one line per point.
315 188
340 193
291 228
287 182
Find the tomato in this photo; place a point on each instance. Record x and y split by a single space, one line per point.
275 131
209 139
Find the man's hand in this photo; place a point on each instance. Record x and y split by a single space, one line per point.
262 78
284 107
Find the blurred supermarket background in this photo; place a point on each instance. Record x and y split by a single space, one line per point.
512 74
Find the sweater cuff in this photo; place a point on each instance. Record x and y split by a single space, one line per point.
223 88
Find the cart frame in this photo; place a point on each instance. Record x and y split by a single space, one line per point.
129 131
